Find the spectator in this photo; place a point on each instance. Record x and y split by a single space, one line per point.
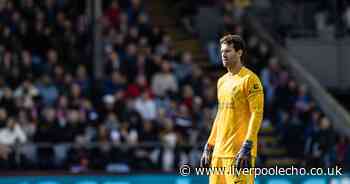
12 133
169 140
164 81
341 149
146 106
47 90
183 121
321 146
27 89
115 84
113 13
184 69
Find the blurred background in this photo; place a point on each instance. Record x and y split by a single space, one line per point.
124 91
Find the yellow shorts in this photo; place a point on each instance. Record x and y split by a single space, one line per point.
228 177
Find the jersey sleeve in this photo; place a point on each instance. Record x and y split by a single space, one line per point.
212 136
254 93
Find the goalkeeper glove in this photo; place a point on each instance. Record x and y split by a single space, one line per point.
244 157
206 156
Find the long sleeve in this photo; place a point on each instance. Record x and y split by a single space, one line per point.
255 96
212 137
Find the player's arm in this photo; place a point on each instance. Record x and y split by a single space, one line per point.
209 146
212 136
255 97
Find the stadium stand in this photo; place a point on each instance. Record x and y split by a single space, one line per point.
294 131
155 104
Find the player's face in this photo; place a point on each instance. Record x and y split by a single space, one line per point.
229 55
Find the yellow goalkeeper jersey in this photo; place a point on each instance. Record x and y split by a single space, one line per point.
240 111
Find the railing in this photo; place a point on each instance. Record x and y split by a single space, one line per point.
58 155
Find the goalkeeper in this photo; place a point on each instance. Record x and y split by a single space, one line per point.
233 138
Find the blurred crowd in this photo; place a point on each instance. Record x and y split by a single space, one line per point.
301 127
152 104
153 109
44 72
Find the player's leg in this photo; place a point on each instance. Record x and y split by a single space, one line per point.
216 178
237 178
250 178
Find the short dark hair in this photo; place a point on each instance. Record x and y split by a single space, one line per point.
234 40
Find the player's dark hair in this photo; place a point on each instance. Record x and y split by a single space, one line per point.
237 43
233 40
